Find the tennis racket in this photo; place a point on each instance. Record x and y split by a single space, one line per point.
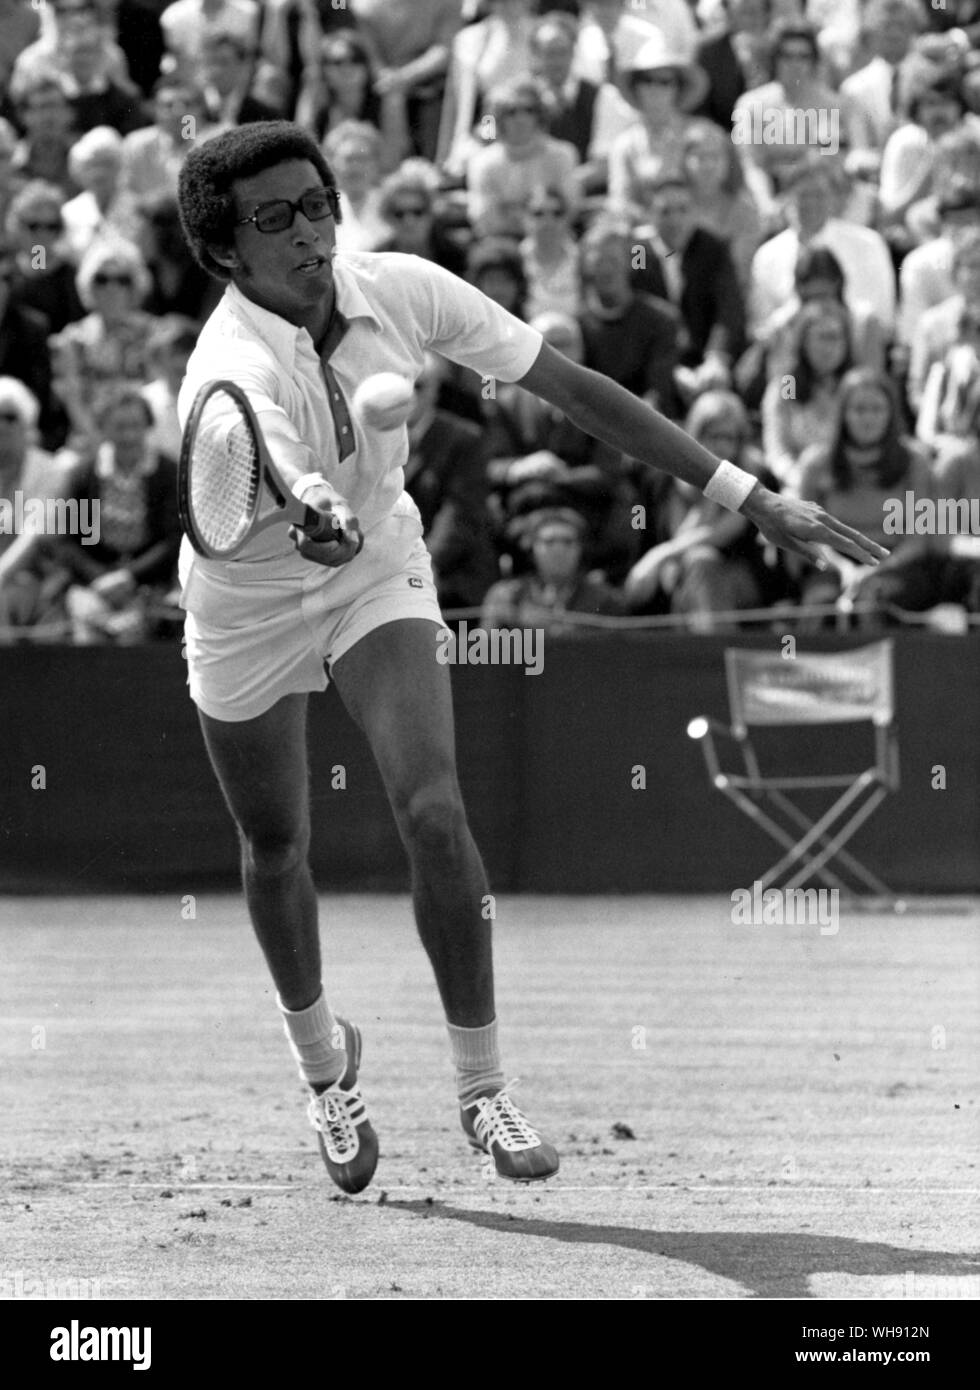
227 479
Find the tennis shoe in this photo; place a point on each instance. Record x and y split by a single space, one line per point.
494 1125
346 1137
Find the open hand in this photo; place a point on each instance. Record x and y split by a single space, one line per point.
804 527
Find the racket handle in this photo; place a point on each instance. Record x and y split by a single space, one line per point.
321 528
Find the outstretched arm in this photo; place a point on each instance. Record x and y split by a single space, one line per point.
608 412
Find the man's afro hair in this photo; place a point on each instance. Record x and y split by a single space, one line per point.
207 212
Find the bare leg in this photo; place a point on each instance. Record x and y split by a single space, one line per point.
262 768
400 696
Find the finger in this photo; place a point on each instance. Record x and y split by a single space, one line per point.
848 541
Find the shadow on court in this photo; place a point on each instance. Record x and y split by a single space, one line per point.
772 1265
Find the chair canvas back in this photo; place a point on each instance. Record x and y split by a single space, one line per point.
766 688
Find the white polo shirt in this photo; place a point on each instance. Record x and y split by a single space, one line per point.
396 307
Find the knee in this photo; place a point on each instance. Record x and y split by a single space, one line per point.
274 853
432 819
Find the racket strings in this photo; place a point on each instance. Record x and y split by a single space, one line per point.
225 475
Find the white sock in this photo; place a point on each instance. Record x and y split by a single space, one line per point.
313 1035
477 1060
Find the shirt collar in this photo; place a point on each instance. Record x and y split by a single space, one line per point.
284 337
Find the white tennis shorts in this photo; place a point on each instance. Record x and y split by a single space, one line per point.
252 644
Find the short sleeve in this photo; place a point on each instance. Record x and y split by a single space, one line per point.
460 322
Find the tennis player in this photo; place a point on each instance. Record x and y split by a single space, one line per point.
298 328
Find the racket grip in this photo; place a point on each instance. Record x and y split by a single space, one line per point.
321 528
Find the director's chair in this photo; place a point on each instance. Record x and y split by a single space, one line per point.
810 692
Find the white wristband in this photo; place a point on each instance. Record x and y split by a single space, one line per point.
307 481
729 486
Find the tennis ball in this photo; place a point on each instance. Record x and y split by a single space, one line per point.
384 401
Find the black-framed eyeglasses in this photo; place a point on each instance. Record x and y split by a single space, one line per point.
278 216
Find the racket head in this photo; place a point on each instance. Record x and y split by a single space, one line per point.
220 471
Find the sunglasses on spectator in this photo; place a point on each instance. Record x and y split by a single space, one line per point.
43 226
399 213
656 79
548 212
279 215
109 277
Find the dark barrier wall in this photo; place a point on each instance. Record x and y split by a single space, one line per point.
128 801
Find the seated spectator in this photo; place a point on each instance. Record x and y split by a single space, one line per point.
94 97
44 279
187 23
227 74
446 477
502 177
341 87
482 56
864 463
664 86
110 345
353 150
957 164
736 58
692 269
588 115
23 345
172 341
550 256
135 560
818 276
178 284
104 211
795 87
949 323
412 41
46 119
799 406
878 92
712 561
936 107
721 204
152 156
864 257
557 584
630 337
949 417
48 57
611 32
29 588
408 206
926 274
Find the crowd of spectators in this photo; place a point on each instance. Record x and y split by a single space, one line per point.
761 216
